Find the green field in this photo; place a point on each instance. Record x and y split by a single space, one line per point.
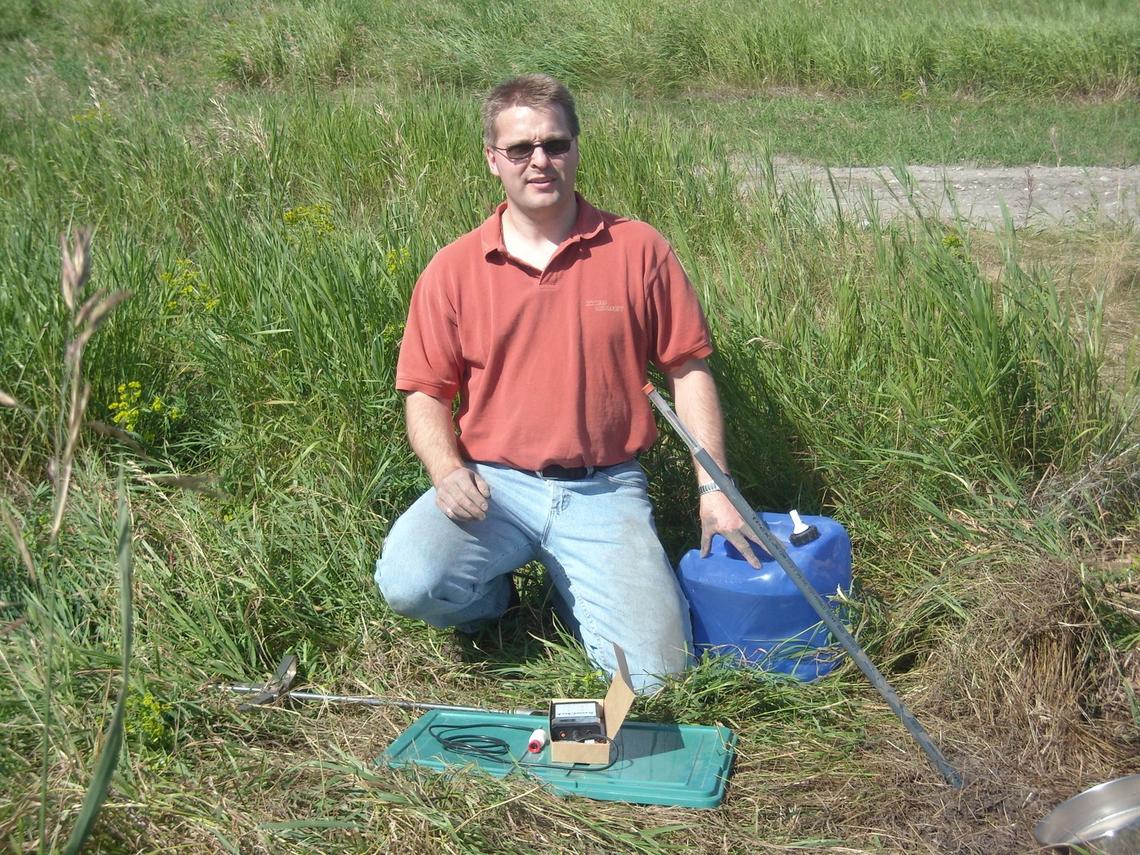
265 181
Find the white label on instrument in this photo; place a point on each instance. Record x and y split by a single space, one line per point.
584 709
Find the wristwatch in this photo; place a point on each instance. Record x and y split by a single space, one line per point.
710 487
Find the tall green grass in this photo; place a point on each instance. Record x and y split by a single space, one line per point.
659 46
652 47
870 372
300 229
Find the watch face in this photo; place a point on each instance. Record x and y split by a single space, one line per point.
579 709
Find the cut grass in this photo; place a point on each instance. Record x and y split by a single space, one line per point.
814 762
854 129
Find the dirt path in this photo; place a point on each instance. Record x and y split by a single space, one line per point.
1037 196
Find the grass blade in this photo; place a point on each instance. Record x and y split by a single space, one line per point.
113 739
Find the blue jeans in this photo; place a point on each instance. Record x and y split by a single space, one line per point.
597 540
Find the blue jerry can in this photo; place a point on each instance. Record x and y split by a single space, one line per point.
760 615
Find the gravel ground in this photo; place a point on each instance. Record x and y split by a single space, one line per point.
1034 196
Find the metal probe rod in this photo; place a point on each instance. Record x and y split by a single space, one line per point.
371 701
777 551
278 687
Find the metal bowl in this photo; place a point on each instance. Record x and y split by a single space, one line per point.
1103 820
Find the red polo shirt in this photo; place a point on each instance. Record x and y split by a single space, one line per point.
549 364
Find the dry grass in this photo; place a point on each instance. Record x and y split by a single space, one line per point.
1024 697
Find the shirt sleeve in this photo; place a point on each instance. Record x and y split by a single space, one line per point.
678 329
430 355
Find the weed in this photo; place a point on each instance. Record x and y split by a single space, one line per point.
148 720
188 290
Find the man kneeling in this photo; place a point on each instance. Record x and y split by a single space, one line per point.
544 320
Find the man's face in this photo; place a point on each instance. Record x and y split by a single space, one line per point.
542 184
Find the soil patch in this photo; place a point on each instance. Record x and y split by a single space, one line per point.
1031 196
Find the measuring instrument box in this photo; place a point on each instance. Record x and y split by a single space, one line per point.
576 721
582 730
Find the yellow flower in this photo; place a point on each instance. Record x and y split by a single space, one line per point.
396 259
310 222
126 410
130 408
92 114
190 290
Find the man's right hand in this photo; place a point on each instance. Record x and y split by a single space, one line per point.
462 495
459 492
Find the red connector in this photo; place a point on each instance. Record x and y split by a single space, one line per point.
537 741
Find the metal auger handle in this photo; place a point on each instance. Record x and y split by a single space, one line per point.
278 687
777 551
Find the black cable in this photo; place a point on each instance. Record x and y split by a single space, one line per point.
498 750
476 744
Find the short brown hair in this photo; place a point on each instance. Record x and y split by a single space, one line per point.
529 90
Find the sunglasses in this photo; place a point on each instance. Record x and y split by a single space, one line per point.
522 151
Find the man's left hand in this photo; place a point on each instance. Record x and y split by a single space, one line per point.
719 516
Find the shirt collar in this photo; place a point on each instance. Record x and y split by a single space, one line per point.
587 224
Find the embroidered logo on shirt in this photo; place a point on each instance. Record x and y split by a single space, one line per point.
603 306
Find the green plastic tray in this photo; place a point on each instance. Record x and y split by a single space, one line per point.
653 764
